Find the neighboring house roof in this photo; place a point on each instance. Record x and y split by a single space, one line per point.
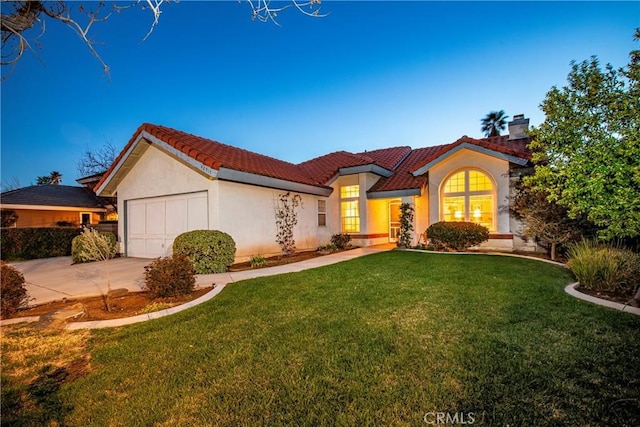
399 167
39 196
91 179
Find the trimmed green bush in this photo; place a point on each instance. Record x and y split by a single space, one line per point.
456 236
34 243
78 246
13 294
169 277
210 251
342 240
604 268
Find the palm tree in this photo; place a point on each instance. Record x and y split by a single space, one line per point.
54 178
493 123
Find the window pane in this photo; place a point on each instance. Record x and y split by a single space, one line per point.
322 219
455 184
394 212
322 206
350 225
349 191
481 210
479 181
454 209
350 213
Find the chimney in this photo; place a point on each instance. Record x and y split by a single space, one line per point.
518 127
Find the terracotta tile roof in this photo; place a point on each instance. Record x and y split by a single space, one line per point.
217 155
323 168
318 171
501 144
52 195
388 158
403 179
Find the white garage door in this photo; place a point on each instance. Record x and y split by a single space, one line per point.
153 223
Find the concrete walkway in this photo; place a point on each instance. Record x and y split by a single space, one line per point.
53 279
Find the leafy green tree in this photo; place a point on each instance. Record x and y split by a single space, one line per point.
494 123
587 151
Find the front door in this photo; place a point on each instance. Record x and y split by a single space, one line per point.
394 221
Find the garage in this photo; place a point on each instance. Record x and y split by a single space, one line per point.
153 223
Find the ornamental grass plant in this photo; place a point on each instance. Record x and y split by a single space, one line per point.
600 267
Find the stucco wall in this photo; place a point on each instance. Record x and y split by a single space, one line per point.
157 174
44 218
247 213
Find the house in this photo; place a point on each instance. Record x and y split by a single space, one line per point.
51 205
168 182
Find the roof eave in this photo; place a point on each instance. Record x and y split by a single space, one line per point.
241 177
51 207
391 194
373 168
109 184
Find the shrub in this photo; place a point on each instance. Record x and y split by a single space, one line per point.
79 243
456 236
605 268
210 251
170 276
34 243
329 247
342 240
257 261
13 294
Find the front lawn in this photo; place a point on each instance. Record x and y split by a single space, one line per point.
381 340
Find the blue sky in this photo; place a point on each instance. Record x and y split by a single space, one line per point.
369 75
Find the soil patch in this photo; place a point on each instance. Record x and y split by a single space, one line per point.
281 260
128 305
609 296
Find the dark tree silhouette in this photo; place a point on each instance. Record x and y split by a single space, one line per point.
494 123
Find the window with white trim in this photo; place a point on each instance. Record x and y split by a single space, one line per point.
350 208
322 213
469 195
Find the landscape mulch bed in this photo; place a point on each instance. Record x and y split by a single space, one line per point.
128 305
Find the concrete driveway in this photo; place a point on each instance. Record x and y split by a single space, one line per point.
52 279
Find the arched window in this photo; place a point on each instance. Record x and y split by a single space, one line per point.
468 195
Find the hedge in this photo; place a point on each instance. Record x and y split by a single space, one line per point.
34 243
456 236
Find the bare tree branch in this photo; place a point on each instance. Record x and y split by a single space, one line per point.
18 17
96 161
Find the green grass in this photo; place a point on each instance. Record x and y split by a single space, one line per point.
379 340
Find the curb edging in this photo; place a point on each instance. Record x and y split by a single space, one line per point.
571 290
